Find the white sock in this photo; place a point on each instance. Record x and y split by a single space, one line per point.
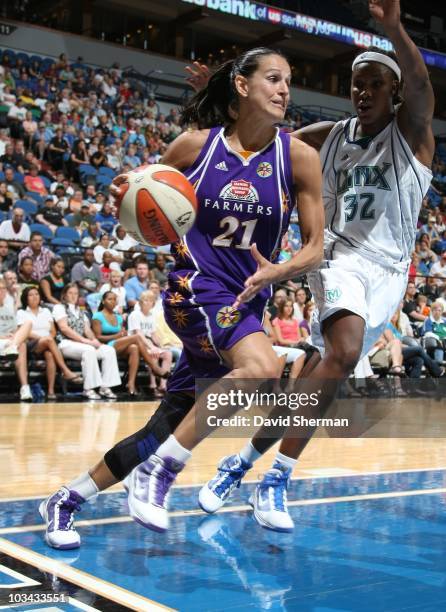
249 453
84 485
172 448
286 461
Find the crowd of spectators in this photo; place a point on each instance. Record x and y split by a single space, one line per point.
82 288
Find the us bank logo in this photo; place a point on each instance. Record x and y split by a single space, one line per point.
332 295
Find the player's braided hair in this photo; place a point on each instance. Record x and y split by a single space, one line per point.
217 103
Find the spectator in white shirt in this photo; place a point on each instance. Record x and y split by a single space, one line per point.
77 341
42 338
104 245
115 285
141 322
15 231
438 270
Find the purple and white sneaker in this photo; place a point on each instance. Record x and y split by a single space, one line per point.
57 512
148 488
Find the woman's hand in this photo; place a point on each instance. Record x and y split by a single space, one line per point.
199 75
94 343
386 12
266 275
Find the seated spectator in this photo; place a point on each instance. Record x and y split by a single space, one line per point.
82 219
131 159
141 322
6 201
86 273
13 342
25 276
422 306
295 357
160 272
108 329
8 259
107 262
99 159
105 218
76 201
300 299
52 284
434 327
13 289
13 186
438 270
97 203
34 182
60 197
41 339
414 357
56 150
104 245
305 324
77 341
286 327
410 305
167 339
51 215
8 159
279 296
15 231
114 284
79 155
91 236
429 288
125 245
29 129
425 252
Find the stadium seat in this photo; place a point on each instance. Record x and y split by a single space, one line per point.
36 197
86 172
104 171
46 181
35 58
63 245
24 57
18 176
29 207
69 218
68 233
43 229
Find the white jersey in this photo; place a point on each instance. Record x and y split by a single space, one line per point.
373 190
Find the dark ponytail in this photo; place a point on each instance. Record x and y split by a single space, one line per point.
217 103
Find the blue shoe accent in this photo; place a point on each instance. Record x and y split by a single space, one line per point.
214 494
269 500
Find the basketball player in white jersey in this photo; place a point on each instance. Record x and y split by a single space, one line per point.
376 169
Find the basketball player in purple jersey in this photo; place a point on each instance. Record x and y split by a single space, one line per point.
248 177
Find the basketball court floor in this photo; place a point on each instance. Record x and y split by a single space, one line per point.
370 519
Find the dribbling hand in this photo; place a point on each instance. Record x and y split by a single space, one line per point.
115 192
266 275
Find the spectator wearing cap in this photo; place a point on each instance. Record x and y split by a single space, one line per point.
34 182
51 215
87 273
105 219
62 182
41 256
429 230
15 230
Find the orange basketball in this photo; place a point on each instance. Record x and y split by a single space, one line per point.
157 205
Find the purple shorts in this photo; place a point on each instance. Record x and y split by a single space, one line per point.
203 318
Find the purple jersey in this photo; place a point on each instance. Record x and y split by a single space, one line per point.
240 202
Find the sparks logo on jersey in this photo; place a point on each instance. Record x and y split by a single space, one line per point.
239 190
332 295
363 176
222 166
264 169
227 316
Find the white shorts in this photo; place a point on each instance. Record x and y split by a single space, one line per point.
352 282
291 353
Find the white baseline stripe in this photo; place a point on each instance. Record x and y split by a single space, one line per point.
82 579
241 508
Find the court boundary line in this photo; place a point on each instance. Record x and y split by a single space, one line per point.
228 509
87 581
296 478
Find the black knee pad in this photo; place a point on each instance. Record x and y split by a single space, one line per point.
130 452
